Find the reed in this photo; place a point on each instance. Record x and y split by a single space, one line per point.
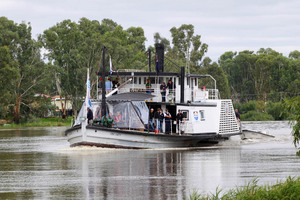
289 189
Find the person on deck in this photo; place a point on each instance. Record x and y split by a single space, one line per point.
163 88
179 118
151 118
156 119
148 87
161 120
168 122
115 84
100 84
171 87
237 115
108 85
89 115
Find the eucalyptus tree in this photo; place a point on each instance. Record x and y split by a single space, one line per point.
73 47
162 40
187 45
62 43
218 74
238 68
294 55
266 75
7 75
21 64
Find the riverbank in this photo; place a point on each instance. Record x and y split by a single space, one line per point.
40 122
289 189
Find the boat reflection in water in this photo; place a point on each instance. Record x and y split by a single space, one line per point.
153 174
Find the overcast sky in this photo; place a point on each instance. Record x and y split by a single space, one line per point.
225 25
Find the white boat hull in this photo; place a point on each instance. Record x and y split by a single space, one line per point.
116 138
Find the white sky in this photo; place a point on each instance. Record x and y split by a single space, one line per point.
225 25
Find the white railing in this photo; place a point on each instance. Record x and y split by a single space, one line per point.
200 94
174 94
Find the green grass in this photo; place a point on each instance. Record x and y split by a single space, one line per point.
41 122
290 189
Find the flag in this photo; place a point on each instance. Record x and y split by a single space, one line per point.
110 65
88 102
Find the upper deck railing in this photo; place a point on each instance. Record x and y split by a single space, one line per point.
173 95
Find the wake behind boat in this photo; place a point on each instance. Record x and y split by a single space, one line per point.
126 120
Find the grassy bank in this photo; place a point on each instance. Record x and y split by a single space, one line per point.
41 122
290 189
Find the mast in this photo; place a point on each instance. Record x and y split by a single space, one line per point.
149 60
103 104
182 76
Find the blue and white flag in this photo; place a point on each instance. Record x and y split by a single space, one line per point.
110 65
88 102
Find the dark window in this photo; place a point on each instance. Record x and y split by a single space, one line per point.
185 114
202 115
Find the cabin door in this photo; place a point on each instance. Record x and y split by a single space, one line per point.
172 111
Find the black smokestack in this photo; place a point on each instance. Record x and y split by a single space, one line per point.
160 56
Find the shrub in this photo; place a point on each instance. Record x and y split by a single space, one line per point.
276 110
250 106
254 115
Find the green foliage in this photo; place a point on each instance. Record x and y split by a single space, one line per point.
74 47
262 111
42 107
276 110
217 72
266 75
187 47
195 196
256 116
21 65
250 106
32 121
293 108
289 189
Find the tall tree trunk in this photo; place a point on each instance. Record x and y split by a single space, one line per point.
57 81
17 110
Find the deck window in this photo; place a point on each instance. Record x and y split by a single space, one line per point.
185 114
152 80
161 80
202 115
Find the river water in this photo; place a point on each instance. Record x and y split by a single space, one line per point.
37 163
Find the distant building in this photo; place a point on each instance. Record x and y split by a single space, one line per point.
66 103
